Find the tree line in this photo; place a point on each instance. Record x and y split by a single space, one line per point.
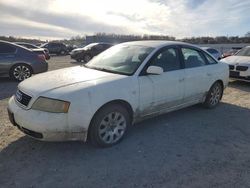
78 40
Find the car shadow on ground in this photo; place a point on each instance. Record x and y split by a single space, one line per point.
192 147
241 85
7 87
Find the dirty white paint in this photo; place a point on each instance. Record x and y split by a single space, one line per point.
87 90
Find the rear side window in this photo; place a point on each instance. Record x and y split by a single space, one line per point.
6 49
210 60
192 58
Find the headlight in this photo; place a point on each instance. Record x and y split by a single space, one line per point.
51 105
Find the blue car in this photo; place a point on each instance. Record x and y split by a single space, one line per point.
19 63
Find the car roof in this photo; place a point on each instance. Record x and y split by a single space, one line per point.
16 45
157 43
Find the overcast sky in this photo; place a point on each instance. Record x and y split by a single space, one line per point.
49 19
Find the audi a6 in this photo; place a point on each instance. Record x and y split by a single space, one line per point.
125 84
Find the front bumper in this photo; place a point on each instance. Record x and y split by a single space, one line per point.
240 72
238 75
42 125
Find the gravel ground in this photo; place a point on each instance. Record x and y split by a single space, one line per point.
193 147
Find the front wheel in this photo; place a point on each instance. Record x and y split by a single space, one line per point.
214 95
109 125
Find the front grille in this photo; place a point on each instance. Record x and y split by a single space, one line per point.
241 68
231 67
22 98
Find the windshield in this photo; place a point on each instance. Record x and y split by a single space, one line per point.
120 59
243 52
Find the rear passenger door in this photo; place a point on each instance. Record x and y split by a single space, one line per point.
196 74
7 56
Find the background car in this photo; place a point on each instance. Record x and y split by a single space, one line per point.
20 63
213 52
71 47
125 84
57 48
34 48
230 52
88 52
239 64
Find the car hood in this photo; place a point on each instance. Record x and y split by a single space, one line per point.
64 77
233 60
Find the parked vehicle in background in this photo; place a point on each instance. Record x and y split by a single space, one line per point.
239 64
230 52
71 47
57 48
88 52
125 84
213 52
20 63
34 48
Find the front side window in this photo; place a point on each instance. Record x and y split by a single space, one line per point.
192 58
167 59
120 59
6 49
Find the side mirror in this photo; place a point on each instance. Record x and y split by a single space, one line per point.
154 70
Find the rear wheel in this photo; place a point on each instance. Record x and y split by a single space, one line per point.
214 95
20 72
109 125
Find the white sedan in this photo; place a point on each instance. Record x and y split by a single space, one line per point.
239 64
125 84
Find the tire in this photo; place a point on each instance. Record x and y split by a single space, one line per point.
86 58
214 95
109 125
20 72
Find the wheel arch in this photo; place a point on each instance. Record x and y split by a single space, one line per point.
121 102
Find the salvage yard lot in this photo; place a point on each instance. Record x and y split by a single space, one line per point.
193 147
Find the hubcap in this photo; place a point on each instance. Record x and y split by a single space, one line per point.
215 95
21 72
112 127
